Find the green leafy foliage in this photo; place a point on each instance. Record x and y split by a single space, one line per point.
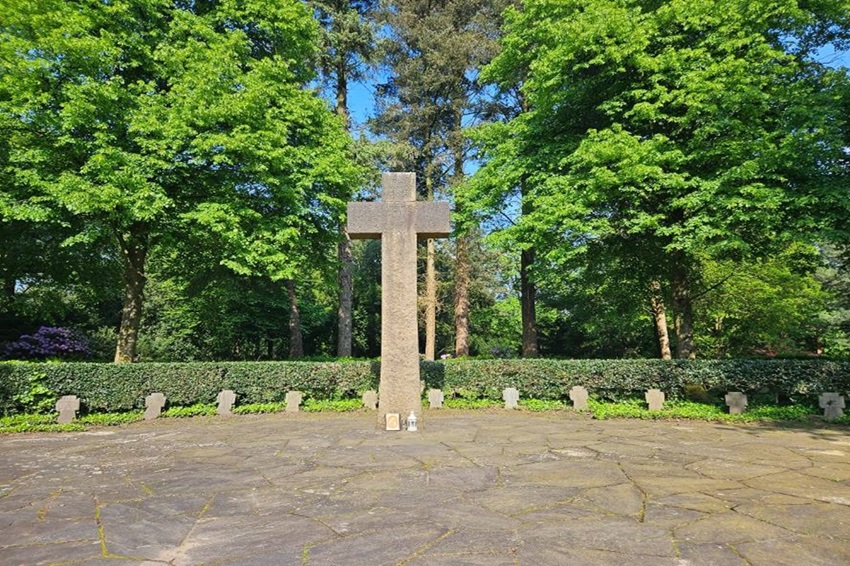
331 405
167 123
657 135
537 405
37 397
635 409
111 419
36 423
259 408
196 410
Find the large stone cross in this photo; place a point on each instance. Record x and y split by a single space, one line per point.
398 221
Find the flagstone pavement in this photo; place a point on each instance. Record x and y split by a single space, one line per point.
471 487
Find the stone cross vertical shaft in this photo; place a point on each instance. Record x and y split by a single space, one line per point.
398 221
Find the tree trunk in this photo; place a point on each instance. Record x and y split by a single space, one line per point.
430 302
462 297
529 312
134 247
684 314
342 93
462 267
296 345
346 288
346 292
659 316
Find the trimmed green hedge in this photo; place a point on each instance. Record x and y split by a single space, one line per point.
121 387
618 379
110 387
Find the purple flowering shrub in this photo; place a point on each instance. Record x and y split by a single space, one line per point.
48 343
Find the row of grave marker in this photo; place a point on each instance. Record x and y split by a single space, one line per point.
831 403
67 406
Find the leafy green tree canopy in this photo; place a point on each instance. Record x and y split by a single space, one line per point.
153 118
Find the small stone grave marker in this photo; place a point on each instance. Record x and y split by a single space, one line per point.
370 400
578 395
832 404
226 399
393 421
655 399
435 398
293 400
737 402
154 404
67 407
510 396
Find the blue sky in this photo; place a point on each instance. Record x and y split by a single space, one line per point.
361 95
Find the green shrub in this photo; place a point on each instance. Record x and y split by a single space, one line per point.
259 408
542 405
36 423
196 410
635 409
331 405
111 419
36 396
123 387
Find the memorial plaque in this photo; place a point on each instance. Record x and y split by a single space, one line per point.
393 421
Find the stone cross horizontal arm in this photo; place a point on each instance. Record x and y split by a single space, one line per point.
398 212
370 220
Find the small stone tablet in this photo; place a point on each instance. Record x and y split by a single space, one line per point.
737 402
393 421
370 400
67 407
435 398
578 395
293 400
832 404
655 399
154 403
510 396
226 399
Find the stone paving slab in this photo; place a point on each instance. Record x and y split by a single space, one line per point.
476 488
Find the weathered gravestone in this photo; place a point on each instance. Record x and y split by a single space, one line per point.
832 405
737 402
578 395
398 221
67 408
511 397
293 400
655 399
226 399
370 400
154 404
435 398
